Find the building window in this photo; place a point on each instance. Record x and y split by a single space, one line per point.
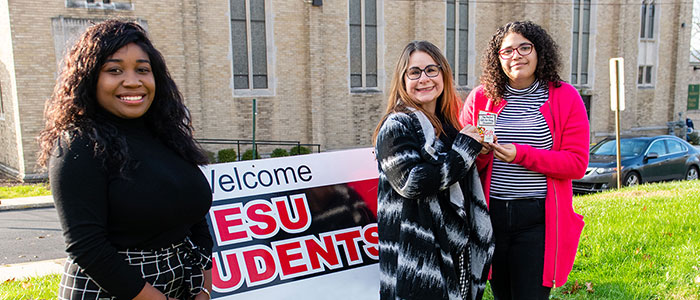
648 44
648 8
100 4
2 103
587 103
66 31
693 96
457 35
645 74
580 42
363 44
249 44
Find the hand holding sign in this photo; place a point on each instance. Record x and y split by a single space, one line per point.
487 125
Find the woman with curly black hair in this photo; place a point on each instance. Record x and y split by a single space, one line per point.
541 144
124 173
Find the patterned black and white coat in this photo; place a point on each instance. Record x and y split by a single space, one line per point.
432 215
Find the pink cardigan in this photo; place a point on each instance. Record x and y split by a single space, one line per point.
567 120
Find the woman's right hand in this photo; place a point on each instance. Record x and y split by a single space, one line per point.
472 132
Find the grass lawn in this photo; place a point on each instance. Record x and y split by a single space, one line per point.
24 190
43 287
638 243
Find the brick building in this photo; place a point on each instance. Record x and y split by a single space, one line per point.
319 70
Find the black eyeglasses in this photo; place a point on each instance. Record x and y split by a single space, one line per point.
414 73
524 49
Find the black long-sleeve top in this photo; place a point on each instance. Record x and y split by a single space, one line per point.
156 204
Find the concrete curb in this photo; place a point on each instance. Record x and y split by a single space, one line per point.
31 269
26 203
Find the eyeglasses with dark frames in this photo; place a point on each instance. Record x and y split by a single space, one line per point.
431 71
524 49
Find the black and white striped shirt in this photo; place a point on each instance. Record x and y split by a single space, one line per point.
521 122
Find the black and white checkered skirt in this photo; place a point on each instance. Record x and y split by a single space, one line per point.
176 271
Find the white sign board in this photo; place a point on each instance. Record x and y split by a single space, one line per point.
299 227
617 83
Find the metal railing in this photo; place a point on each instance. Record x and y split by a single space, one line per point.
257 143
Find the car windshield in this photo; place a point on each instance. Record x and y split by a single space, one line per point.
630 147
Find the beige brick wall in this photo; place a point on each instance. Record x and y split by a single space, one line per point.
311 100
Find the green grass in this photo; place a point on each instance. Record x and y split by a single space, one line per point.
638 243
26 190
43 287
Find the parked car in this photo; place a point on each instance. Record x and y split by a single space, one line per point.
644 159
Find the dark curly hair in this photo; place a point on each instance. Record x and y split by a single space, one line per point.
494 79
73 107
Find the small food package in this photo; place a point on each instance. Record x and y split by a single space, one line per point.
486 124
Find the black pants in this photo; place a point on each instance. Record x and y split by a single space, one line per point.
518 260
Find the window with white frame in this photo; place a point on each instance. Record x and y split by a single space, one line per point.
648 8
644 75
2 103
101 4
457 39
363 41
648 44
249 45
580 42
66 31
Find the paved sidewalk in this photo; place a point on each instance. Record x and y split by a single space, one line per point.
27 202
30 269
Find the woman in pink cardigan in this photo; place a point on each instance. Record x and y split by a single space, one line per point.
540 145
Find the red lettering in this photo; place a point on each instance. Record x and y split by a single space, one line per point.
229 225
327 252
288 253
233 278
259 264
371 238
302 216
259 212
349 241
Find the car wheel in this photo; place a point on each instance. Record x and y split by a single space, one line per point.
632 179
692 173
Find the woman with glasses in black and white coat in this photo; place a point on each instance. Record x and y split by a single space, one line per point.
435 236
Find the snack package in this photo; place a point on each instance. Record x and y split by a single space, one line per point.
486 124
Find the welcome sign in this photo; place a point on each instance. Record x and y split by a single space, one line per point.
300 227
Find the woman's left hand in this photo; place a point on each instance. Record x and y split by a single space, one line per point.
472 132
504 152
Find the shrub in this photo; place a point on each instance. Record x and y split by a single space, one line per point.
279 152
227 155
694 138
248 155
299 150
211 156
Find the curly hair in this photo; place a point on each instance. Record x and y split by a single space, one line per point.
73 107
399 99
494 80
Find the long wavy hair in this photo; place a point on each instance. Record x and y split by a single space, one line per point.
448 102
494 79
73 107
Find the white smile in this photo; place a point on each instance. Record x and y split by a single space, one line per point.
130 98
425 89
